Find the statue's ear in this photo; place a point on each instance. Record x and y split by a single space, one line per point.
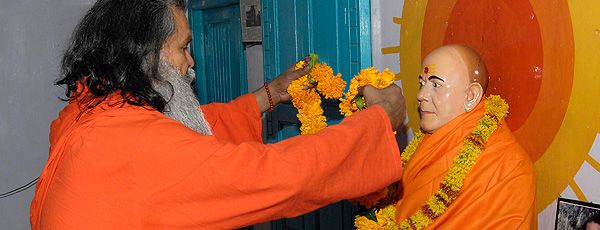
474 95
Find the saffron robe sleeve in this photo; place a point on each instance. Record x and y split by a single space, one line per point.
236 121
219 184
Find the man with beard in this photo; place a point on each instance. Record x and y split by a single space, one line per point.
182 103
117 162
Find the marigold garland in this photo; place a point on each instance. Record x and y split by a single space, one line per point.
369 76
308 101
496 110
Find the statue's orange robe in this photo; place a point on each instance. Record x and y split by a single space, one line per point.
128 167
498 192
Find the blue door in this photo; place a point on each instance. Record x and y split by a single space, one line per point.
337 30
218 53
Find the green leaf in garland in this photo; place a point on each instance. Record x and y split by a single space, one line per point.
360 102
369 214
314 58
311 80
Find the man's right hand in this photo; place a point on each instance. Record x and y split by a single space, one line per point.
391 99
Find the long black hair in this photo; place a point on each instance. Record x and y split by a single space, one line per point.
116 48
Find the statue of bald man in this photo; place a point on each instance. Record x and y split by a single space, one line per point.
498 190
466 170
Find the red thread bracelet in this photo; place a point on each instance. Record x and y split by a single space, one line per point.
270 99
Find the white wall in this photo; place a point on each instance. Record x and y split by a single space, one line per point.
33 34
385 33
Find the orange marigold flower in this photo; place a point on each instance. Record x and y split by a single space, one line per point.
308 101
368 76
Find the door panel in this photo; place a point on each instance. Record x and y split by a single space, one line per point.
220 60
337 30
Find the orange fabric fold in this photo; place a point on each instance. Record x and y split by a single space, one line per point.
226 119
127 167
498 192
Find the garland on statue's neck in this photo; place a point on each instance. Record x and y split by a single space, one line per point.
308 101
496 110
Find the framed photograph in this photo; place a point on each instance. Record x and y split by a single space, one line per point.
251 20
576 215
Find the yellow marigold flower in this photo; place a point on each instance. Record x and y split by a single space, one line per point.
443 195
299 65
305 97
321 71
436 206
421 220
389 211
384 79
368 76
496 106
310 113
308 102
348 106
332 87
361 222
329 85
386 220
404 225
365 76
410 149
297 86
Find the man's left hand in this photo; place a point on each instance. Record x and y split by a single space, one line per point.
278 87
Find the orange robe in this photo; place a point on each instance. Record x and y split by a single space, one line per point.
498 192
128 167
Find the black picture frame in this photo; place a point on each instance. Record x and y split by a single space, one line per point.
574 214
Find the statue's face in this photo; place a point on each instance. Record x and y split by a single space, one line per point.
443 89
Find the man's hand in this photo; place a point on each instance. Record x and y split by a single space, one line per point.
391 99
279 85
278 88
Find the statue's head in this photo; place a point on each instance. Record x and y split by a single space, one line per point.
453 81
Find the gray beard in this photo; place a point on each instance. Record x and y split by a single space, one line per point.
182 104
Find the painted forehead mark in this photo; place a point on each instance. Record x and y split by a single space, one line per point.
429 69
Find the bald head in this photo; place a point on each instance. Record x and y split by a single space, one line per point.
475 67
453 81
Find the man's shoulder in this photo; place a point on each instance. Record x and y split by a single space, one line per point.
115 116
